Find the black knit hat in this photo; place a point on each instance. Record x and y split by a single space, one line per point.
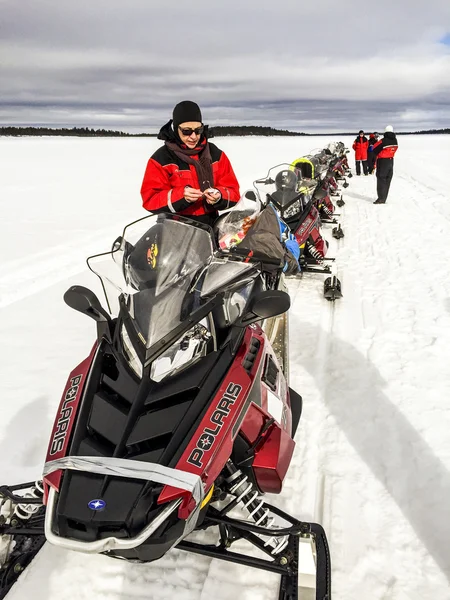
361 131
184 112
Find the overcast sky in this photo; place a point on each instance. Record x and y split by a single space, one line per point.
322 65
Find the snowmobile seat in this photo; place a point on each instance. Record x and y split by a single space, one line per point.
320 194
308 186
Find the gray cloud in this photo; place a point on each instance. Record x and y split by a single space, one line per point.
308 66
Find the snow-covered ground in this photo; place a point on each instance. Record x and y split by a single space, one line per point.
372 461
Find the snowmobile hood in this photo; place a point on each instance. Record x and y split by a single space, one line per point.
144 421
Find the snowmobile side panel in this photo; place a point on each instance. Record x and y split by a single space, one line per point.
253 423
212 443
303 232
65 417
272 460
329 204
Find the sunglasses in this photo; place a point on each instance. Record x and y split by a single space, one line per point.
189 131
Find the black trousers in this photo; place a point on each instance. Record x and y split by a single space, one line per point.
370 161
385 171
358 167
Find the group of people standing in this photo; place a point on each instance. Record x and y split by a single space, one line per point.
364 156
377 155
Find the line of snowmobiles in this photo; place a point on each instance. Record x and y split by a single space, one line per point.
301 192
181 418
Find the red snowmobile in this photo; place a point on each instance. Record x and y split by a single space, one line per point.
316 179
297 206
339 166
180 419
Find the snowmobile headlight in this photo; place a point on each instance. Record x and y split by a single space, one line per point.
293 209
183 353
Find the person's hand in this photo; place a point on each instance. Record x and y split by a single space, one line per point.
212 195
191 194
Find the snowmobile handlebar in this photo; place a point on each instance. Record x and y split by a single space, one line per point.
265 181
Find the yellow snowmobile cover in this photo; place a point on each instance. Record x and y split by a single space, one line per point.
307 166
305 169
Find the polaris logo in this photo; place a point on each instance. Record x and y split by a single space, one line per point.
306 223
97 504
65 414
208 436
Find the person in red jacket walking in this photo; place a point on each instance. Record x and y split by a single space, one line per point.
360 146
384 152
188 175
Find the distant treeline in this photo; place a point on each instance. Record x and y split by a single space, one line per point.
74 131
423 132
228 130
427 131
221 130
87 132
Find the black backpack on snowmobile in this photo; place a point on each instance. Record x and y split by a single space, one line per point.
180 418
257 229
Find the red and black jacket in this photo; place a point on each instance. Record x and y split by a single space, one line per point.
387 147
372 141
167 175
360 146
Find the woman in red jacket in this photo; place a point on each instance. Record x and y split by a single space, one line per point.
360 146
189 175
